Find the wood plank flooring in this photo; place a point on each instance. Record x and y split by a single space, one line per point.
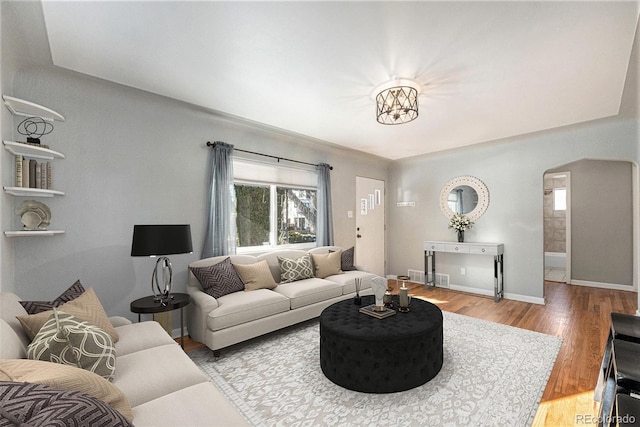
577 314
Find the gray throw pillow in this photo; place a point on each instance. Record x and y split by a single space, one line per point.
218 279
73 292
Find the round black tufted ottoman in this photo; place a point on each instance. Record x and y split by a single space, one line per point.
362 353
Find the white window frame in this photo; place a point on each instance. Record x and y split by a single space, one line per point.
273 220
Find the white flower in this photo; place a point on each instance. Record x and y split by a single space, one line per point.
460 222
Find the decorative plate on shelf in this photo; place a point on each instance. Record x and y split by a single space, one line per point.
34 215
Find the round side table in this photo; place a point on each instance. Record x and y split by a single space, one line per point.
149 305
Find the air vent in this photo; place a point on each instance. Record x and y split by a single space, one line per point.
416 276
442 280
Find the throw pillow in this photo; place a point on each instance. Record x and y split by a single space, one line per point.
35 307
68 340
327 264
347 259
85 307
41 405
219 279
255 276
292 270
67 378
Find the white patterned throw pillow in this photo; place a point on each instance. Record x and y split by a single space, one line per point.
67 340
292 270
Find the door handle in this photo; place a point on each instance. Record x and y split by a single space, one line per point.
358 236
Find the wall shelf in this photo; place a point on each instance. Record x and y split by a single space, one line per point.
32 192
32 233
32 151
20 107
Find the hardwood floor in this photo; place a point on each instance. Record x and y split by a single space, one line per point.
577 314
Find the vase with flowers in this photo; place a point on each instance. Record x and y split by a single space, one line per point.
460 223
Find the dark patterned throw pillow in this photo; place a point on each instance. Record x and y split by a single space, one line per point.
39 405
292 270
346 261
35 307
218 279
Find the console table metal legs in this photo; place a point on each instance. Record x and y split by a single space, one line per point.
498 273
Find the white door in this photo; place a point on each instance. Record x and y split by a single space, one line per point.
369 248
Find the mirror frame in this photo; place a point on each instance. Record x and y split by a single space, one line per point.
473 182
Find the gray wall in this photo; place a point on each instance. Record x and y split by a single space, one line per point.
132 158
601 221
513 170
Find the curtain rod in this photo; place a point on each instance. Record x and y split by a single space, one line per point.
210 144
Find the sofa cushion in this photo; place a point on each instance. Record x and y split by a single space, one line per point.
347 280
196 401
292 270
149 374
67 378
255 276
309 291
326 264
86 307
242 307
218 279
41 405
73 292
140 336
68 340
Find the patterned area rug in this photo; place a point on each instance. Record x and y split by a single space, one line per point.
492 375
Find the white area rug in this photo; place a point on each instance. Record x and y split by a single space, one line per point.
492 375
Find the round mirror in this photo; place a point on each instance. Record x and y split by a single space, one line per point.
465 195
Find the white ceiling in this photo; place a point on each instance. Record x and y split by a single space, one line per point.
488 70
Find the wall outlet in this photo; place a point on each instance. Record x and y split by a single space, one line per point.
463 271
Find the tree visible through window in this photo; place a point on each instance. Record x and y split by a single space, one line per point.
272 215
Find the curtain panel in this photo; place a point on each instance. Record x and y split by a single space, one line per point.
220 237
324 231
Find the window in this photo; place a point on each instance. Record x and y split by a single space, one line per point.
275 206
559 199
272 215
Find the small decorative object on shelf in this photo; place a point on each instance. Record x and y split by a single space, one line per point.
34 215
379 287
460 223
34 128
357 300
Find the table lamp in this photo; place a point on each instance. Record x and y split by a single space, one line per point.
160 240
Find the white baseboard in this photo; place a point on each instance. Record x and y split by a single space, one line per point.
489 292
613 286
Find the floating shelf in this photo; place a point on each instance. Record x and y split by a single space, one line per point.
20 107
32 233
32 192
32 151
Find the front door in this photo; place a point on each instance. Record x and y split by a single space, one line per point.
369 249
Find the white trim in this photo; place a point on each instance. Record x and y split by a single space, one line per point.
614 286
489 292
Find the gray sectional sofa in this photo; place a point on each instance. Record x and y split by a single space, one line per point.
241 315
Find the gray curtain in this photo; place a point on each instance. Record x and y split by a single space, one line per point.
324 232
220 238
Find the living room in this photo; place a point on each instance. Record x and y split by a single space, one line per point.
135 157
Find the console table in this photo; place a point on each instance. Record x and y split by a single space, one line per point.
495 249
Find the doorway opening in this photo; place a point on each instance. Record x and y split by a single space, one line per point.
557 226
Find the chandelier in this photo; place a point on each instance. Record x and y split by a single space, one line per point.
397 101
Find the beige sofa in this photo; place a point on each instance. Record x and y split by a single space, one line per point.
163 386
242 315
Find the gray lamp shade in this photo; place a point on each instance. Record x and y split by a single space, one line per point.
151 240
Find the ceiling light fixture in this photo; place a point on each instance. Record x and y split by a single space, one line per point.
397 101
